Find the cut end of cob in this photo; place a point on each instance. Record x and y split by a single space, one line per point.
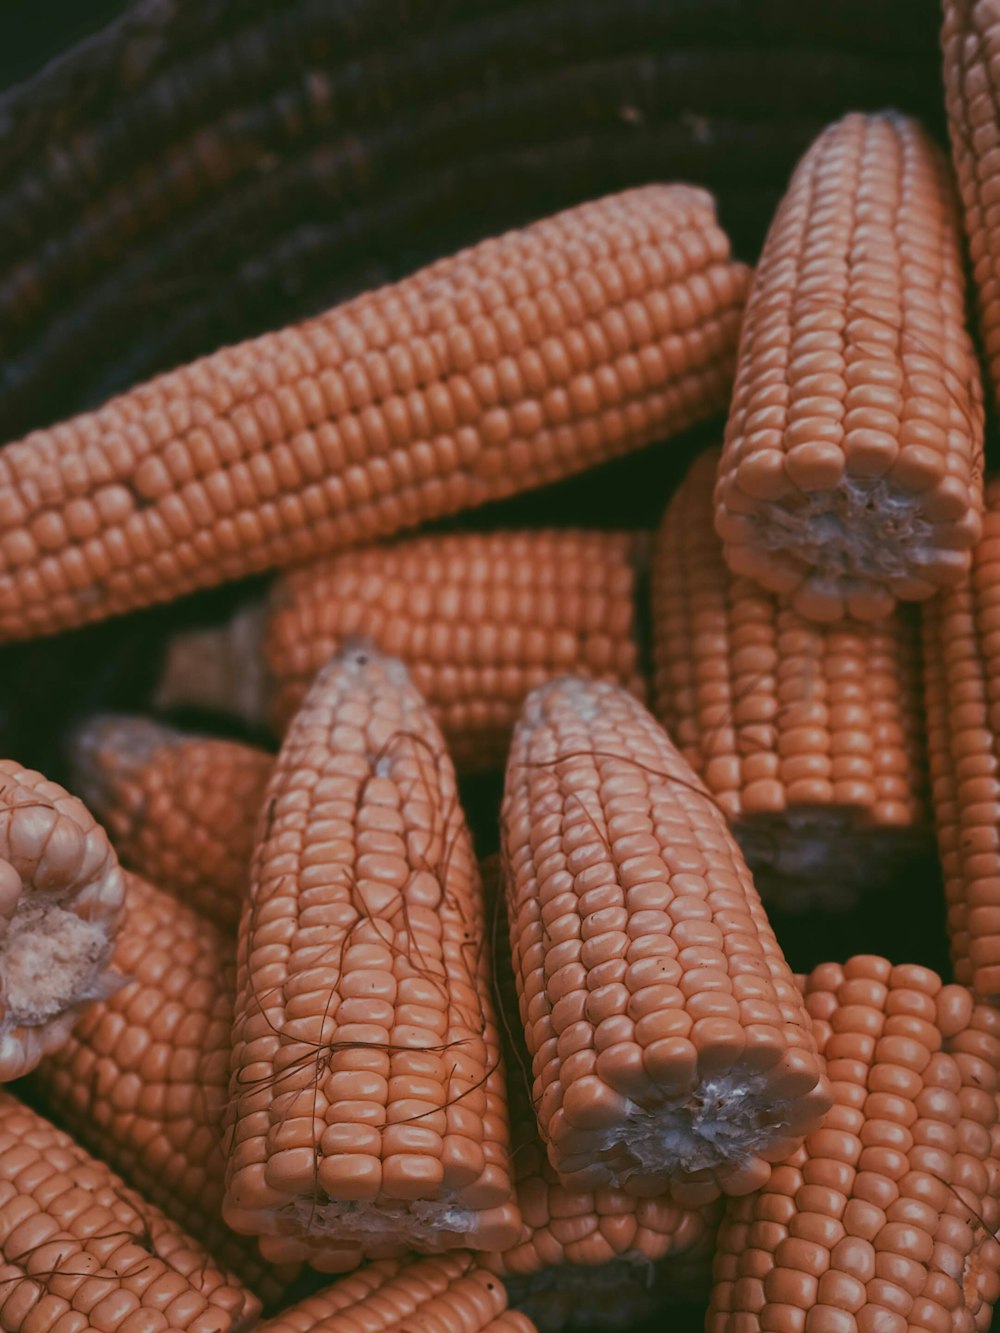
825 857
852 471
861 541
61 898
580 1297
50 960
423 1224
724 1122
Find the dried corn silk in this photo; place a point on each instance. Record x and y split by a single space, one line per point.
595 1258
143 1079
962 695
61 895
810 737
447 1292
529 357
181 809
670 1048
367 1092
852 470
79 1251
884 1220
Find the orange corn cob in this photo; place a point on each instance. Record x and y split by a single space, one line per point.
367 1090
597 1258
670 1048
450 1293
81 1253
61 895
181 809
810 737
852 468
514 363
143 1079
970 43
478 619
883 1221
962 695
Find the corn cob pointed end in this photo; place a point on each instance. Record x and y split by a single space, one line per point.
61 897
107 753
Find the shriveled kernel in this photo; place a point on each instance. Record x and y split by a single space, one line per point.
878 497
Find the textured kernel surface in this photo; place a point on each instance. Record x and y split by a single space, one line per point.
563 1232
970 45
142 1080
479 620
528 357
180 809
962 696
810 737
367 1098
852 470
884 1220
61 896
669 1045
447 1292
79 1251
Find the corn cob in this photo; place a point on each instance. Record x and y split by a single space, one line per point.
527 358
450 1292
809 737
670 1049
884 1219
180 809
478 620
961 675
852 469
970 42
595 1259
61 896
142 1081
367 1101
81 1253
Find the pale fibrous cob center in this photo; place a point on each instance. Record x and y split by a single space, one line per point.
49 960
61 898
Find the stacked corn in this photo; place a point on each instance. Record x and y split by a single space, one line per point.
809 736
479 620
332 1085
